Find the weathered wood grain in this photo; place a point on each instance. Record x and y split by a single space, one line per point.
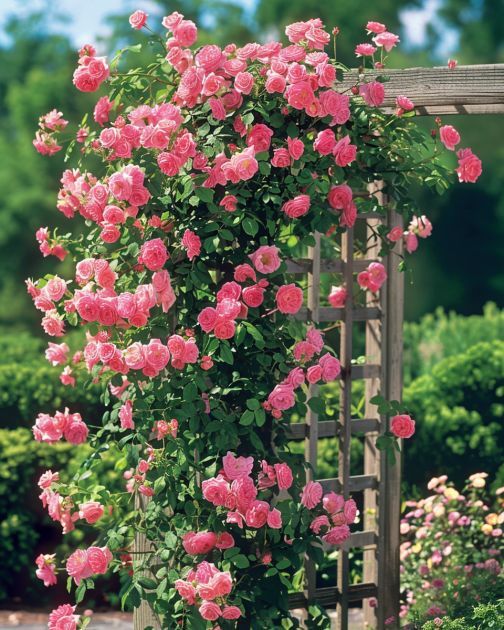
477 89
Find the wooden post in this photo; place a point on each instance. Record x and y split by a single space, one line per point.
143 616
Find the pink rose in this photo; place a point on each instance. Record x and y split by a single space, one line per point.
207 319
281 158
402 426
319 522
253 296
54 289
373 278
191 243
138 19
300 95
259 137
57 354
266 259
216 490
186 590
245 492
335 105
340 196
469 166
337 535
275 83
295 147
333 502
224 541
404 104
449 136
199 543
274 519
210 611
78 566
344 152
102 110
126 415
314 374
169 163
185 33
375 27
338 297
63 618
297 207
237 467
365 50
224 328
395 234
229 202
311 495
53 325
421 226
386 39
410 242
110 233
231 612
76 430
331 367
98 559
289 299
350 511
153 254
282 397
244 82
325 142
373 93
283 476
156 355
91 511
257 514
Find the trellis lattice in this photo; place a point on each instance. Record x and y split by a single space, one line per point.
379 485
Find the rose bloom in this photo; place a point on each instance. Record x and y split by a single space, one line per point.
338 297
259 137
289 299
469 166
386 39
373 93
91 511
344 152
295 147
237 467
365 50
375 27
284 476
63 618
402 426
282 397
281 158
153 254
421 226
337 535
266 259
297 207
199 543
449 136
229 202
311 495
395 234
325 142
138 19
340 196
210 611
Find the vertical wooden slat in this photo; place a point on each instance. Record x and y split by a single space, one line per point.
345 415
311 441
371 453
390 474
143 616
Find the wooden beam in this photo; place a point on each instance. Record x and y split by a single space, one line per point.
477 89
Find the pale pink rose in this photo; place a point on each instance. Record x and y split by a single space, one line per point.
217 108
63 618
209 58
449 136
373 278
99 559
210 611
296 32
336 105
404 104
57 354
289 299
216 490
46 569
344 152
53 325
186 590
191 243
78 566
295 147
134 356
311 494
281 158
333 502
212 84
325 142
365 50
337 535
469 166
266 259
91 511
340 196
104 275
185 33
138 19
284 476
55 289
297 207
300 95
295 378
421 226
257 514
156 355
231 612
319 522
373 93
338 297
153 254
198 543
375 27
237 467
275 83
410 242
386 39
242 166
282 397
274 519
402 426
126 415
244 82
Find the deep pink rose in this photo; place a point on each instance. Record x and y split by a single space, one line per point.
344 152
331 367
216 490
337 535
469 166
153 254
253 296
402 426
311 495
231 612
282 397
281 158
297 207
198 543
91 511
274 519
340 196
449 136
207 319
76 430
338 297
325 142
210 611
295 147
373 93
283 476
191 243
257 515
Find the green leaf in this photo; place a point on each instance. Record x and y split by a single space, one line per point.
147 582
260 417
250 226
240 561
226 355
190 392
205 194
317 405
253 404
247 418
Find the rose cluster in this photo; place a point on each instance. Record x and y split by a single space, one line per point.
63 424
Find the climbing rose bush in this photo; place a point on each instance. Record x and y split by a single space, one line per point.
199 176
451 554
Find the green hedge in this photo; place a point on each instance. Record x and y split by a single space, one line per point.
459 408
483 617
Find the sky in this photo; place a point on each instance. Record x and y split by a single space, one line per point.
88 16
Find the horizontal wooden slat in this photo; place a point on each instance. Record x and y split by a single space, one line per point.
477 89
357 483
330 314
329 596
362 539
366 371
329 428
327 265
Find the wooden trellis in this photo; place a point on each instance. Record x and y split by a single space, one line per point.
435 91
